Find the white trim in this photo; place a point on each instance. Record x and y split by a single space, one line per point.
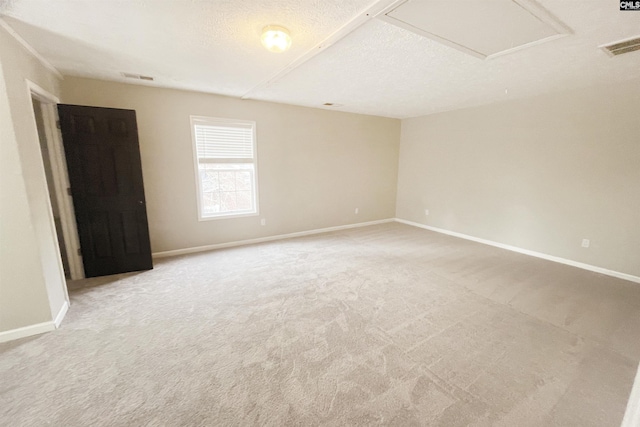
60 317
632 414
537 10
27 331
30 49
61 184
553 258
530 6
46 98
194 120
527 45
40 93
419 31
60 178
266 239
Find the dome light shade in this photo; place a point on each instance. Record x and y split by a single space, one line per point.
275 38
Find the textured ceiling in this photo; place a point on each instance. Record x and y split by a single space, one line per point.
339 54
480 28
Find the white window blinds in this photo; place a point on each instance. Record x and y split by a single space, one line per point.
224 141
226 167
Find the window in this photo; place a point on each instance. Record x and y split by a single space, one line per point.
226 167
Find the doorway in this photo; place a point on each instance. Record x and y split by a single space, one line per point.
57 180
46 159
95 187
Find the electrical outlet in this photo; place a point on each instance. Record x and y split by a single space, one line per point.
585 243
426 212
357 210
263 221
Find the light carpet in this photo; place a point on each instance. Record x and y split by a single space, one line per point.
381 325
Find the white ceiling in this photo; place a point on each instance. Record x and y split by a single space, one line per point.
480 28
341 53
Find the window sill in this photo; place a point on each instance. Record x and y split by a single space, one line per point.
227 216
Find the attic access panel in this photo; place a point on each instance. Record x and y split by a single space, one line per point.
482 28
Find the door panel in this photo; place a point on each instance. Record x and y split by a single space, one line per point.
103 157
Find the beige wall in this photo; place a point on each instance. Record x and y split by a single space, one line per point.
315 166
31 281
540 174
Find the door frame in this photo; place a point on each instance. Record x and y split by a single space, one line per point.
60 179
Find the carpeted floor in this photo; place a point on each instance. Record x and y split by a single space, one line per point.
387 324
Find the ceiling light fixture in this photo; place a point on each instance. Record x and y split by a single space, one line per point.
275 38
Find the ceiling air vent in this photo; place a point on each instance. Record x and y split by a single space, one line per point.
137 76
626 46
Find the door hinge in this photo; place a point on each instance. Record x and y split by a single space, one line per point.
58 125
69 191
79 251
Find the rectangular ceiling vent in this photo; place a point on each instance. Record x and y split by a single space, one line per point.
626 46
137 76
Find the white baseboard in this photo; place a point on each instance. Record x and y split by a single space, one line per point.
577 264
38 328
27 331
265 239
632 414
63 312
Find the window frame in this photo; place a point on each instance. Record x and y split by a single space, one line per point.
194 120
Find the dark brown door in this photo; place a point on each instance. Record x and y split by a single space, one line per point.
103 158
